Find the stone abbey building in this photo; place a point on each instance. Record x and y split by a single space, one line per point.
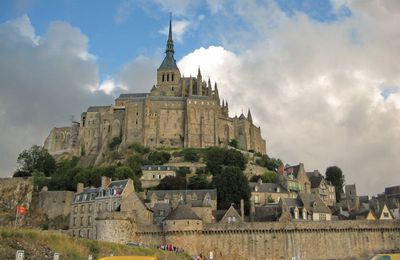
178 112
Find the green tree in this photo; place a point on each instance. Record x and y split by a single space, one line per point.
335 175
40 180
190 155
271 164
114 143
232 186
124 172
158 158
183 171
234 143
138 147
268 177
235 158
215 158
172 183
199 182
37 158
135 162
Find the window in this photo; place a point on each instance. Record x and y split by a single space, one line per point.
76 209
82 208
163 78
257 199
322 216
82 220
385 214
74 221
172 78
167 77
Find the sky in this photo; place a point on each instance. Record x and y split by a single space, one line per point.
322 78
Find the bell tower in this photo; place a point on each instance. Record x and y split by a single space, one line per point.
168 74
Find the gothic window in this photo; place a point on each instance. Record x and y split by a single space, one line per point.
167 77
163 77
172 77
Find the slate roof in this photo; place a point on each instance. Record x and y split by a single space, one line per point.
199 193
231 212
315 181
168 62
313 203
267 187
392 190
91 193
292 203
270 212
182 212
158 168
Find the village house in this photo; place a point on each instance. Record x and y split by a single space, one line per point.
202 202
88 203
305 207
323 188
153 174
266 193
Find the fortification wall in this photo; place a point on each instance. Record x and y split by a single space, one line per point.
303 240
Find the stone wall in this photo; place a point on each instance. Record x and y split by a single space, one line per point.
276 240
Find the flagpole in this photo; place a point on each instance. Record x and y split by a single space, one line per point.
16 215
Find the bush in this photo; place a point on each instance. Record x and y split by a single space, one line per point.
191 155
172 183
183 171
138 147
199 182
115 142
158 158
234 143
21 173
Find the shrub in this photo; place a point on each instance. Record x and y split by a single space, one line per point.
115 142
191 155
158 158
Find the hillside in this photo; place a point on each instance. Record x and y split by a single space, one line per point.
43 244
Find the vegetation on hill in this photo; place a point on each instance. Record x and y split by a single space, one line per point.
267 177
42 245
36 159
271 164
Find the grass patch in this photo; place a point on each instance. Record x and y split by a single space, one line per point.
36 241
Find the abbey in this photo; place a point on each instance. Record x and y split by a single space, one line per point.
178 112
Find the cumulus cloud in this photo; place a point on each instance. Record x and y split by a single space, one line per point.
316 88
43 81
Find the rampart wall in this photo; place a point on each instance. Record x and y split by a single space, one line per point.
279 240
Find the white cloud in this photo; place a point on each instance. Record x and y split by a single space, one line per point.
179 28
43 81
316 92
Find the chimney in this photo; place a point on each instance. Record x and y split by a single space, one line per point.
105 182
252 210
242 209
79 187
281 169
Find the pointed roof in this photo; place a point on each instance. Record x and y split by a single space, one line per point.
249 116
182 212
242 116
169 60
198 72
231 216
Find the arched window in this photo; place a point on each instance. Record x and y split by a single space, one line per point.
172 77
167 77
163 77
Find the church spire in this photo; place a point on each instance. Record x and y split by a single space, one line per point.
249 116
170 42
